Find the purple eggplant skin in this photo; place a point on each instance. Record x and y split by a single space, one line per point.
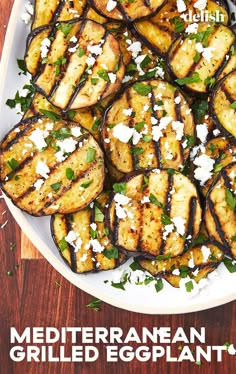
213 114
125 16
225 248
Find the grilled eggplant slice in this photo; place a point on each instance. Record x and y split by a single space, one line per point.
157 214
159 31
44 165
148 126
89 118
83 65
126 10
196 263
220 215
82 239
52 11
222 152
197 65
223 105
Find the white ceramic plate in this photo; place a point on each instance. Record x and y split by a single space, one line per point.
142 299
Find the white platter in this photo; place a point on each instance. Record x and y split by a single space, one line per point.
142 299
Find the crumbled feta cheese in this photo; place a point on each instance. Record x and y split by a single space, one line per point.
73 39
111 5
177 100
118 275
71 237
73 49
38 184
181 6
154 121
135 48
44 48
84 257
146 107
121 199
93 226
204 170
95 49
202 132
191 263
195 272
120 212
107 140
136 137
208 53
200 4
96 246
90 61
37 137
168 229
206 252
137 276
42 169
67 145
60 156
122 132
145 199
176 272
128 112
179 223
216 132
178 127
112 77
199 47
192 28
76 131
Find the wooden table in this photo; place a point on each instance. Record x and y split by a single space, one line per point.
36 295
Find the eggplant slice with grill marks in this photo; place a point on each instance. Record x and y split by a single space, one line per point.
155 213
81 65
52 11
196 263
44 165
222 152
126 10
159 31
197 61
223 105
149 125
82 239
220 215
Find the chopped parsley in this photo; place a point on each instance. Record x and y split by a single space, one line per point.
22 101
165 219
200 109
233 105
70 174
210 81
86 184
50 114
96 124
154 200
104 75
111 253
58 63
63 245
159 285
99 216
94 81
65 28
22 66
145 182
119 188
90 155
189 286
230 199
139 126
195 78
56 186
95 304
13 164
142 89
230 264
137 151
80 52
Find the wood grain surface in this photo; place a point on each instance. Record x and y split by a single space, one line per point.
36 295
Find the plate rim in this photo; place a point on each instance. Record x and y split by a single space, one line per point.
43 248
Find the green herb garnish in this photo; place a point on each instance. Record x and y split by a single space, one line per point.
95 304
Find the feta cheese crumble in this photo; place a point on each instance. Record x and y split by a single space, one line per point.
42 169
202 132
205 167
111 5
